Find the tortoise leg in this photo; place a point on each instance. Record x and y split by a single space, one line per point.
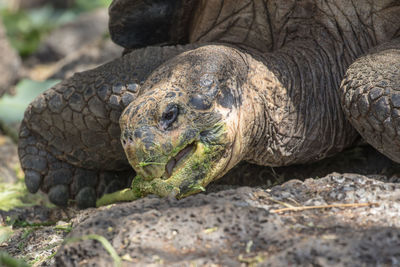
371 98
69 139
61 180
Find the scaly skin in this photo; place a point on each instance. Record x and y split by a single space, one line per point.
371 98
264 88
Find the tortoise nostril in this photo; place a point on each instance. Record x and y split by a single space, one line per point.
169 116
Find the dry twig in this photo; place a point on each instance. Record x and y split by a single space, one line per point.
347 205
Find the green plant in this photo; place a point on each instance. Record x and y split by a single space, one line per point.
8 261
106 244
26 28
5 233
14 195
10 195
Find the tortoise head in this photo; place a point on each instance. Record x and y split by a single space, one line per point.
182 129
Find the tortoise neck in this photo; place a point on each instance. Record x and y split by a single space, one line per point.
295 106
255 127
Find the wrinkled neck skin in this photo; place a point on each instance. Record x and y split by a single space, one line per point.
240 119
296 114
292 112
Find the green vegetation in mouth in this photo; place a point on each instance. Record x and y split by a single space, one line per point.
124 195
193 170
144 164
169 187
140 188
198 188
162 166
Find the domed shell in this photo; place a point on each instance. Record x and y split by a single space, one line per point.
139 23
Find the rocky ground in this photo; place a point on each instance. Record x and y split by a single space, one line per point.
341 219
342 211
249 226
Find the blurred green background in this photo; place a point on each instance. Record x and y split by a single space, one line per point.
27 23
26 27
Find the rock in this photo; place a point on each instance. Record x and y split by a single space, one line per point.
242 225
37 214
70 37
9 63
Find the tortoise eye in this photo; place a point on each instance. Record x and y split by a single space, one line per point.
169 116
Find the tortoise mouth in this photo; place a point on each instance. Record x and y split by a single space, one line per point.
177 161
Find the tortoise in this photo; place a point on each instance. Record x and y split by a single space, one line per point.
204 85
